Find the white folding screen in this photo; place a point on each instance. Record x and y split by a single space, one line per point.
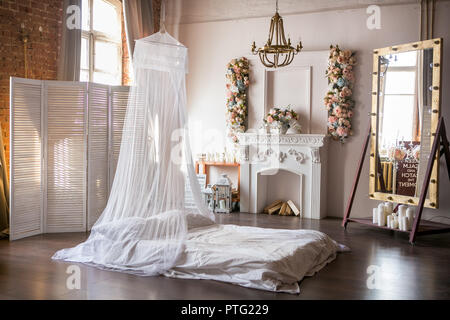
26 159
65 140
65 113
98 180
119 100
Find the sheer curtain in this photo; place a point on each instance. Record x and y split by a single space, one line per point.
145 223
70 52
138 16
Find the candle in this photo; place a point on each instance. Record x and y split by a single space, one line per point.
390 219
410 214
408 224
395 224
381 216
404 224
222 204
389 207
375 215
402 211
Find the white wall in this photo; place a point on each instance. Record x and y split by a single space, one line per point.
212 44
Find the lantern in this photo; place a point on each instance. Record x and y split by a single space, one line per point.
222 195
208 197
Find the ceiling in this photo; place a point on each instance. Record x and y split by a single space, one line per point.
194 11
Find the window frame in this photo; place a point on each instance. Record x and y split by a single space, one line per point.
92 36
416 117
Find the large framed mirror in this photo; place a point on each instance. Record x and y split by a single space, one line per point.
404 118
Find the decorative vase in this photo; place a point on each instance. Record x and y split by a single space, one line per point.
295 126
264 128
279 129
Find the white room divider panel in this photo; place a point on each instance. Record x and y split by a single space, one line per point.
26 151
66 156
65 142
119 101
98 180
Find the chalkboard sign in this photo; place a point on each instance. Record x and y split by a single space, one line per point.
407 177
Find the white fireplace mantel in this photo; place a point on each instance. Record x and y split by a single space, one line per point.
301 154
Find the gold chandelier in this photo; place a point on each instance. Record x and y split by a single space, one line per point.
282 52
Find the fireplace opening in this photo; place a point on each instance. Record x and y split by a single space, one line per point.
280 184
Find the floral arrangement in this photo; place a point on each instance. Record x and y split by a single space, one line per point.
237 85
338 100
283 115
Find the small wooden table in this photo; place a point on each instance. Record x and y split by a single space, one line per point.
206 164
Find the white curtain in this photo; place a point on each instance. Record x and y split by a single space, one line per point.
145 223
69 55
138 16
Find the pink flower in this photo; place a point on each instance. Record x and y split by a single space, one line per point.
269 119
350 114
332 119
347 54
228 93
338 110
346 92
342 131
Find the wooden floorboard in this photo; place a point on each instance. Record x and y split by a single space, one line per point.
408 272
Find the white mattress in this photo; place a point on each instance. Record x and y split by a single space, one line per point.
266 259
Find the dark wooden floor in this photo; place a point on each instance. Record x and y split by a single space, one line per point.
407 272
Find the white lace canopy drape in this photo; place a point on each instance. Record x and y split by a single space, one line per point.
144 225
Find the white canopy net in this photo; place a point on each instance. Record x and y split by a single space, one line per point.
145 223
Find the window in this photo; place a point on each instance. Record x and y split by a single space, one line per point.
101 42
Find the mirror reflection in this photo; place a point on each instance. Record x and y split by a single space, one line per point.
404 121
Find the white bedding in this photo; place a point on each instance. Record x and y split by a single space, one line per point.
267 259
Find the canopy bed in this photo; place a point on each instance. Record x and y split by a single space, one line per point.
147 228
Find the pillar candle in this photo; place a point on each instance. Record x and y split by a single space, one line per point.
390 219
389 207
381 216
404 223
375 215
402 211
395 223
407 224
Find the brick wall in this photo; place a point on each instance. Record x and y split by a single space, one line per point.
42 50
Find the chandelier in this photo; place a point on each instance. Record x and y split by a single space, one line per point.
281 53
